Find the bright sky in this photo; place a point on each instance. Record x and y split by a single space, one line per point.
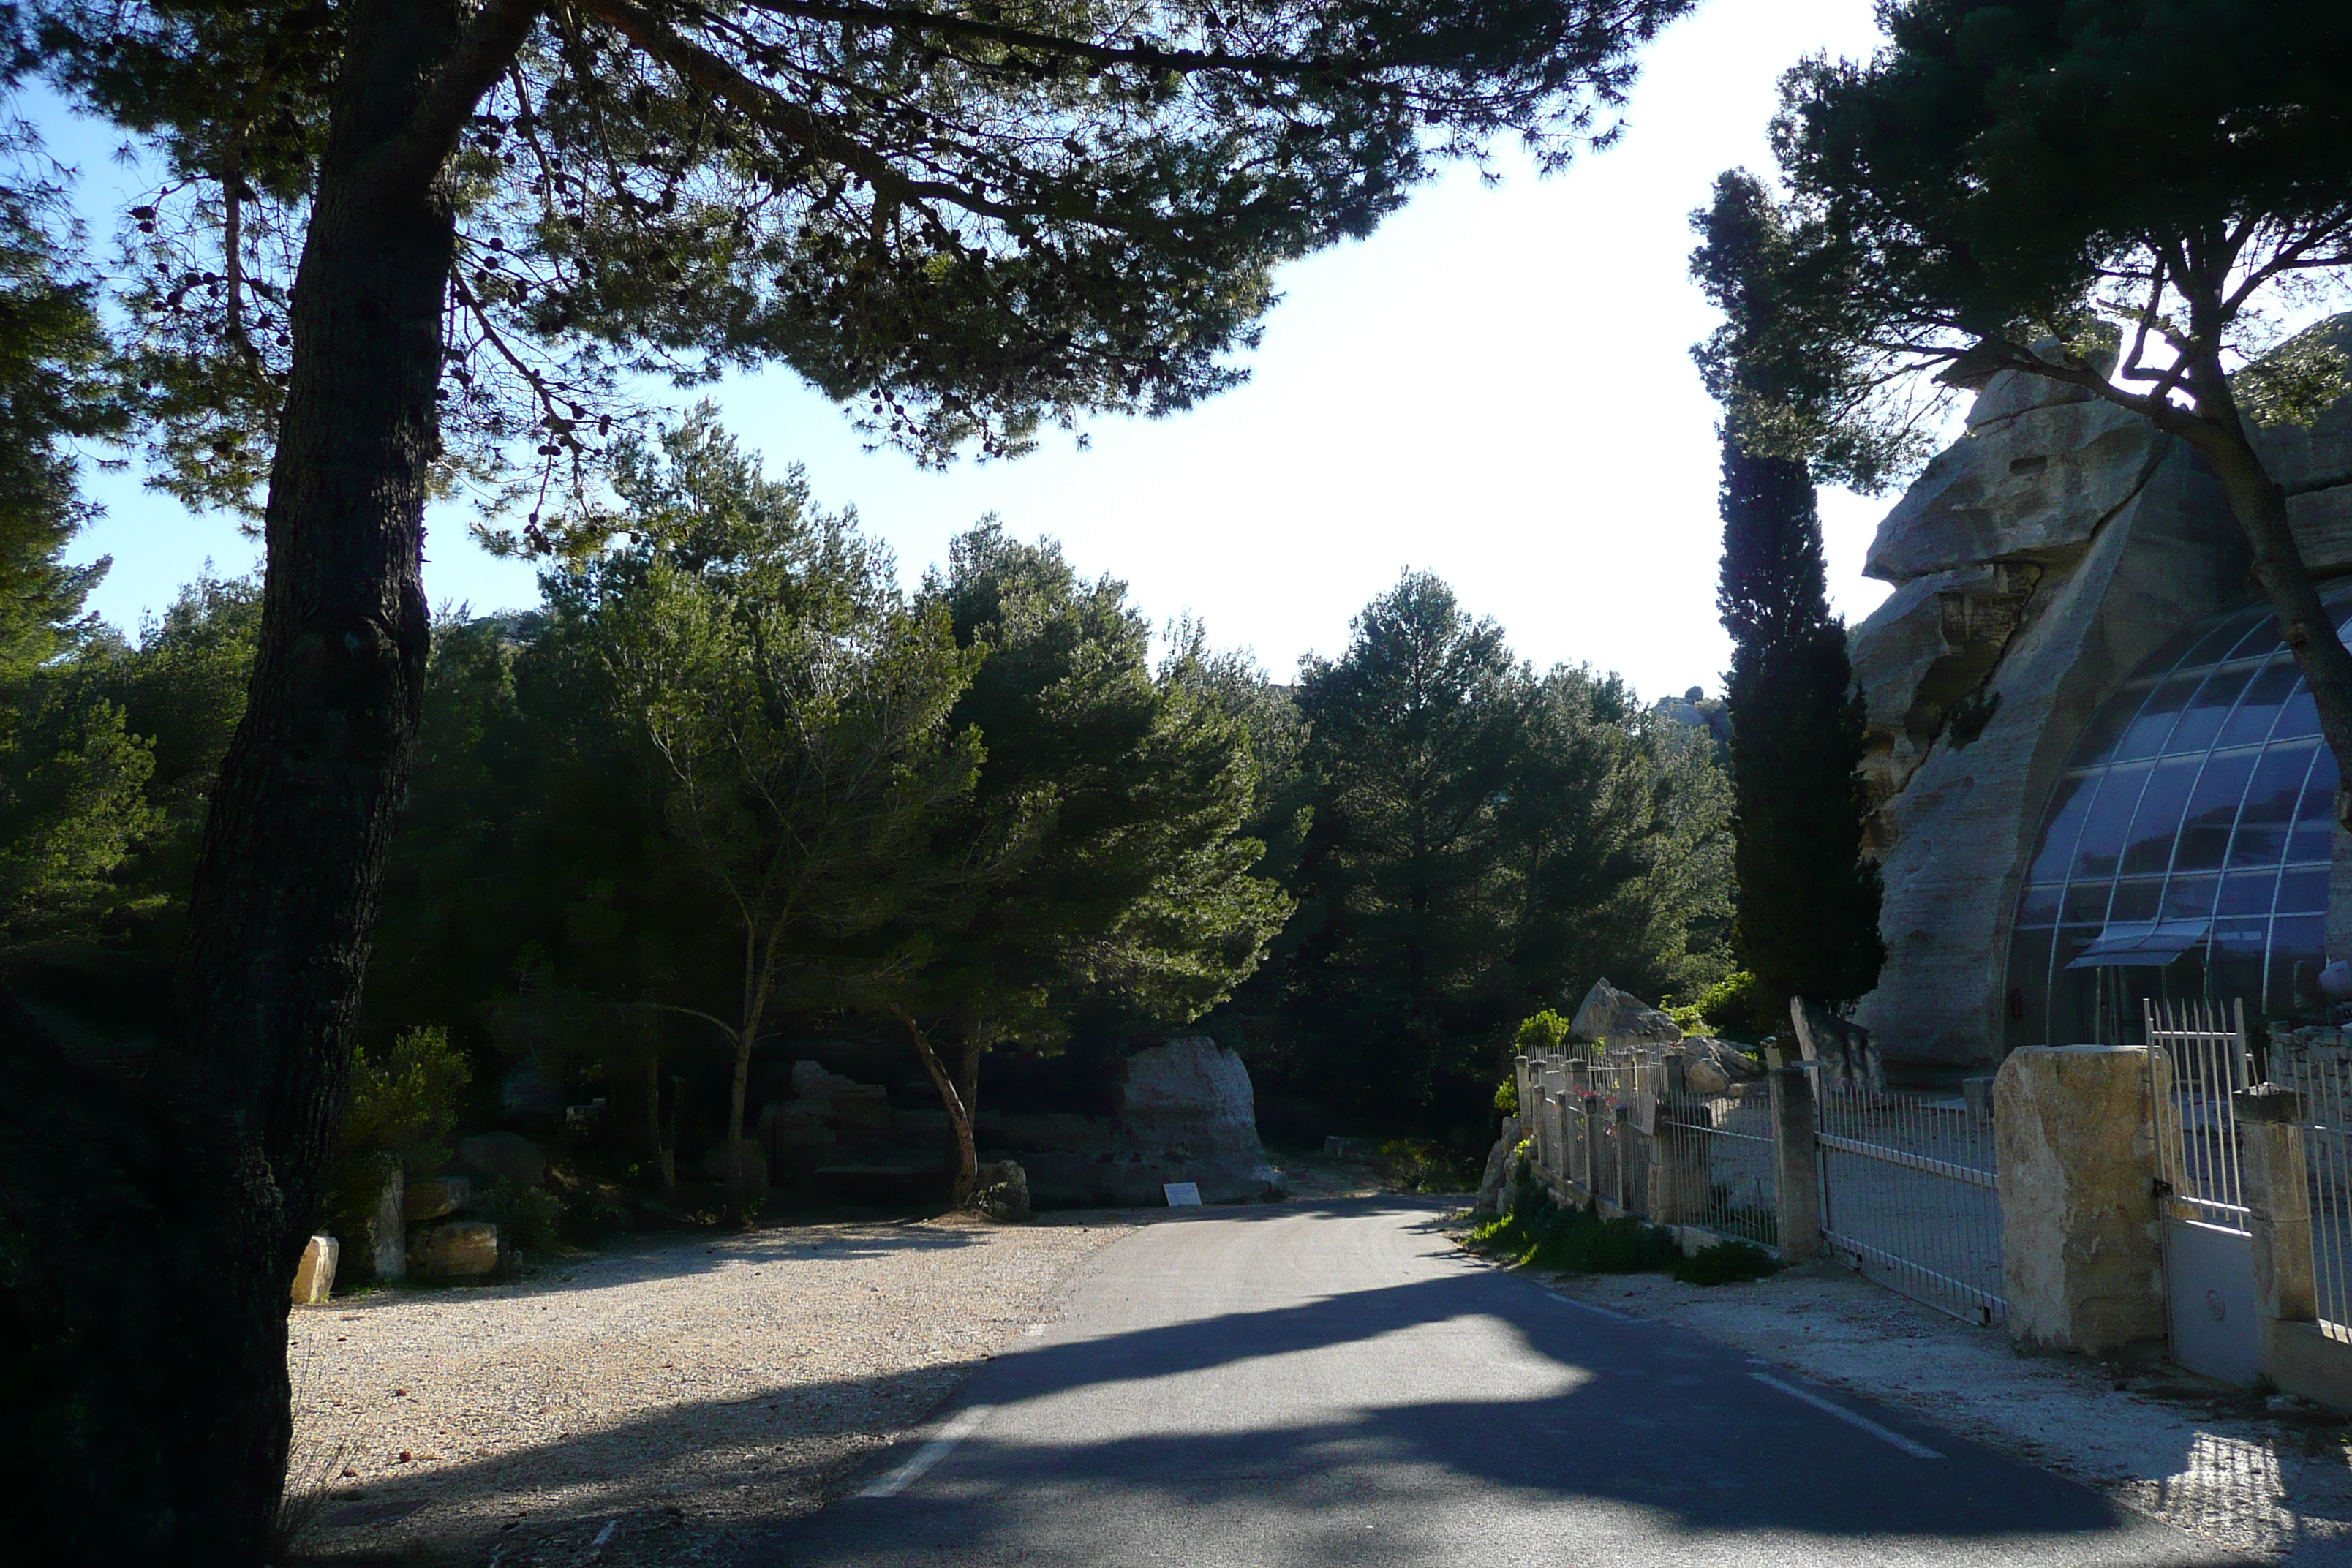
1495 387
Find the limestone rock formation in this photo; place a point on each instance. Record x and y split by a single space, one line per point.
1849 1061
435 1198
2034 486
1609 1013
1186 1113
2036 561
456 1249
2314 462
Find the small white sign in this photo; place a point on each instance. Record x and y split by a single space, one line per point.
1181 1195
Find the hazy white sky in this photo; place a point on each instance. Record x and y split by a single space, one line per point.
1494 387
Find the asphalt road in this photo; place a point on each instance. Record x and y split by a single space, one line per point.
1301 1385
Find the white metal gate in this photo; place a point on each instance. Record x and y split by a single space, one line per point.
2196 1059
1909 1196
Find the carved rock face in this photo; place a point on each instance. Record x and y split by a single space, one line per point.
2033 487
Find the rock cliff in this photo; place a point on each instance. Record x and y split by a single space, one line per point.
2036 561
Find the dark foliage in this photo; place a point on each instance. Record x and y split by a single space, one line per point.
1808 901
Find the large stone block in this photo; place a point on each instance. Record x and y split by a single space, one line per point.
2082 1240
436 1198
456 1249
314 1276
2032 487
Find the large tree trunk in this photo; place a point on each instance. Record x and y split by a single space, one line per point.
246 1106
2260 505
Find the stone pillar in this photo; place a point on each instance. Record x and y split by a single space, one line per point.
2082 1259
1796 1163
1555 1087
2278 1198
387 1225
2288 1343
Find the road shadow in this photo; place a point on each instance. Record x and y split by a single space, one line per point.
1651 1418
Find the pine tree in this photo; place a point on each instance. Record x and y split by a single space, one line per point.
1806 922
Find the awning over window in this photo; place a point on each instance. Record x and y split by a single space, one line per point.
2148 944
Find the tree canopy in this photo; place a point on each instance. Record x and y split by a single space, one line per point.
1484 842
968 224
2134 199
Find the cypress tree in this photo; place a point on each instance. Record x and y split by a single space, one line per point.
1806 921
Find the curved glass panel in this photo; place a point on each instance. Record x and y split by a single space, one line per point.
2184 852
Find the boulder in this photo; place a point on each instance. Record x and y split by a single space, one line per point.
436 1199
314 1276
509 1155
1499 1169
1186 1113
1722 1057
1001 1191
1609 1013
1703 1078
1193 1095
456 1249
1849 1061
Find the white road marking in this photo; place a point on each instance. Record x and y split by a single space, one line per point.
1884 1434
958 1427
1588 1307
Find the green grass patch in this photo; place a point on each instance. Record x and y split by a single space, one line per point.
1540 1233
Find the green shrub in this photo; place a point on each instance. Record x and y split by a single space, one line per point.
1506 1095
1737 1003
526 1218
405 1100
1538 1233
1546 1031
402 1108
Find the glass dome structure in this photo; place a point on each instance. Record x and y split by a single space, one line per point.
2184 852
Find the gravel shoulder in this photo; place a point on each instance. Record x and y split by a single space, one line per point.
644 1403
2196 1455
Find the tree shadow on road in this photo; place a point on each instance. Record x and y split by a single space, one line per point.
1626 1414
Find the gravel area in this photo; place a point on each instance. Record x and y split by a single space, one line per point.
644 1403
2202 1457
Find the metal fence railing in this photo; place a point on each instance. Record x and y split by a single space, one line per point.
1734 1180
2326 1084
1909 1195
2203 1047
